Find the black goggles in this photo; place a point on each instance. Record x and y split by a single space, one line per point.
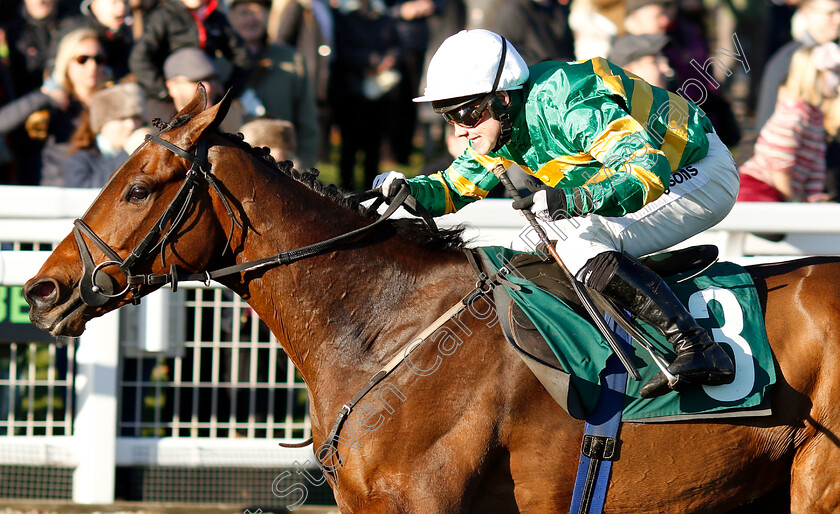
468 116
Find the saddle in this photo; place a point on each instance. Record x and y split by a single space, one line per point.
545 274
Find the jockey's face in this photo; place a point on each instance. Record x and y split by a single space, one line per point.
484 135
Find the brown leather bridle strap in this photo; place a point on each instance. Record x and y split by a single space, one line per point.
200 167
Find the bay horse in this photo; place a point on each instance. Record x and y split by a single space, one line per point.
480 434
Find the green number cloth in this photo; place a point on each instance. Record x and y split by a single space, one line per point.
723 300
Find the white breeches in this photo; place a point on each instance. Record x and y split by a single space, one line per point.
701 194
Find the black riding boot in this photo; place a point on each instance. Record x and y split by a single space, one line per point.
634 287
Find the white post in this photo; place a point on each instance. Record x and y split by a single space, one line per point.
153 325
95 426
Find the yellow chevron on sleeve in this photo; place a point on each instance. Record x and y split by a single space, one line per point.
612 134
450 205
673 145
602 68
554 170
488 162
642 100
464 186
650 181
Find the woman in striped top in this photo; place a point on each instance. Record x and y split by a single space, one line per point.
789 160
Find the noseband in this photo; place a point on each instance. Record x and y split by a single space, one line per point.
97 287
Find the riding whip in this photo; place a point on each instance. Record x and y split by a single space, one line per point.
581 293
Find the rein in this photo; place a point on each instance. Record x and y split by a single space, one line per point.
97 288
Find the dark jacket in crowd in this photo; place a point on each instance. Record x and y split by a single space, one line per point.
170 27
300 28
538 29
30 44
90 168
117 45
57 127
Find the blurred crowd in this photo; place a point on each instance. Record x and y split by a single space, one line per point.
331 82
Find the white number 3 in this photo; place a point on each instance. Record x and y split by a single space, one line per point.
729 334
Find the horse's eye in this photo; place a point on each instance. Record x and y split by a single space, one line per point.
137 194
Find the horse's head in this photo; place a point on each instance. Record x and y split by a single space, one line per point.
156 211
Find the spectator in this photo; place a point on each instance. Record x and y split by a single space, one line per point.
814 22
109 18
410 19
184 70
276 135
29 36
367 54
99 147
642 55
51 114
177 24
685 50
594 24
279 87
539 29
308 26
139 10
789 161
649 16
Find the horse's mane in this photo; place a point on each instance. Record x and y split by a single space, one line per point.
412 230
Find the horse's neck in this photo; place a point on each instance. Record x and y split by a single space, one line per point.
342 315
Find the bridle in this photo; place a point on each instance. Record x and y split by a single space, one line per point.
97 287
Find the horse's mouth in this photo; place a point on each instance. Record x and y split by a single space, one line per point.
66 319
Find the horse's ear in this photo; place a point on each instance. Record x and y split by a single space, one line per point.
221 109
204 121
197 104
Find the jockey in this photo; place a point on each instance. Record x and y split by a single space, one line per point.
607 149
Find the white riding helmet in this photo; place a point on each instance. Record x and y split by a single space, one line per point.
466 64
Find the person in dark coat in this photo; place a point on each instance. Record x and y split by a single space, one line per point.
29 35
539 29
177 24
115 113
307 25
279 87
366 59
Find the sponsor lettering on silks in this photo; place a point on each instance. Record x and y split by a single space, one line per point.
683 175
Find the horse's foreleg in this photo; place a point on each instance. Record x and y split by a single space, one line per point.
814 486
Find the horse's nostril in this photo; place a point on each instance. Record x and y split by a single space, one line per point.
43 293
44 289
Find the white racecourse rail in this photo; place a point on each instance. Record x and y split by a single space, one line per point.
35 219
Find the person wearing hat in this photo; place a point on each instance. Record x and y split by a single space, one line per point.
115 113
188 67
642 55
184 70
687 57
601 146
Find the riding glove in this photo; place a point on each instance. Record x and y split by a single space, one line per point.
551 204
390 183
547 203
